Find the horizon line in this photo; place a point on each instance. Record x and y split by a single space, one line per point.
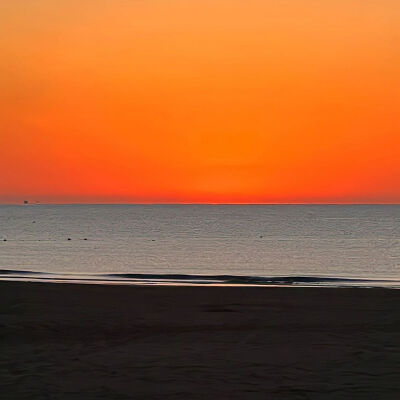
203 204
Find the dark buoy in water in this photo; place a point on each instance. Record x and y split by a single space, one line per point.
85 239
261 236
69 239
153 240
4 240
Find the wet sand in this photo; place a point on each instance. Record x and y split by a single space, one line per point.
69 341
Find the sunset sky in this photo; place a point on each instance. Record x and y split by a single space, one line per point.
200 101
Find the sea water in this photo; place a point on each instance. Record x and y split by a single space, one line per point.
335 245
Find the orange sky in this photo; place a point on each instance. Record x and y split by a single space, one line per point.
200 101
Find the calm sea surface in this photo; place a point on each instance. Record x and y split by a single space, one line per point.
290 243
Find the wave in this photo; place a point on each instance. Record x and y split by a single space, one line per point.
192 279
19 272
230 279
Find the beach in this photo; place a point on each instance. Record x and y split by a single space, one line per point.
77 341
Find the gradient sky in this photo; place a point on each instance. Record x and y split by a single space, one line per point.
200 101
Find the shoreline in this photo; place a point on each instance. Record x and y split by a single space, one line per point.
190 342
182 279
94 282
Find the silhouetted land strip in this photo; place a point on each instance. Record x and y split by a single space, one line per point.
67 341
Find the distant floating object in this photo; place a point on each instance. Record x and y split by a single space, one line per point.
26 202
85 239
153 240
261 236
69 239
4 240
33 222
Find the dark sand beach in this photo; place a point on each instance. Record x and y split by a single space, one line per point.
69 341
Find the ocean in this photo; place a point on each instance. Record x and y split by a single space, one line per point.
291 245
